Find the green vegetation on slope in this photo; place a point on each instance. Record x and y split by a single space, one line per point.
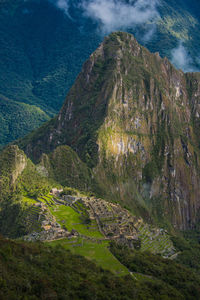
12 160
32 183
19 181
97 252
189 249
22 183
166 271
90 243
65 167
72 220
37 271
18 119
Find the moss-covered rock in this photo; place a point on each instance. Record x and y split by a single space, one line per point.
12 163
66 168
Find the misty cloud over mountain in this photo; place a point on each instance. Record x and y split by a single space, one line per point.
138 15
181 58
63 4
113 15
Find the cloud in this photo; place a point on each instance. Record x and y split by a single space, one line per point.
115 15
149 32
63 5
182 60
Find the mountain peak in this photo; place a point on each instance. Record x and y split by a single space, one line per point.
133 118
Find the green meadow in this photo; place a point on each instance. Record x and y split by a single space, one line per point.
97 252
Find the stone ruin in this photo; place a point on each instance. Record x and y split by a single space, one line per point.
114 222
55 192
51 230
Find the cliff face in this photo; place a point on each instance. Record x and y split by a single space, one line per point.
134 119
64 166
12 163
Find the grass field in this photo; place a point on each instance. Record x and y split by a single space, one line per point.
28 200
67 216
96 249
97 252
91 242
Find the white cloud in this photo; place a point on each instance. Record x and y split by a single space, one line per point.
114 15
62 4
181 59
150 31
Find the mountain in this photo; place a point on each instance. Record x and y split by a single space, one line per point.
43 48
134 120
113 177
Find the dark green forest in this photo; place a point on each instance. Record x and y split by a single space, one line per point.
38 271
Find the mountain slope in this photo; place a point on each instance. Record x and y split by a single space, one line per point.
42 272
22 183
42 269
37 65
18 119
134 119
35 207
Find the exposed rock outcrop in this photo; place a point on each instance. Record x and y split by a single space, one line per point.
12 163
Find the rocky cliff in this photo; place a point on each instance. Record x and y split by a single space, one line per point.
12 163
134 119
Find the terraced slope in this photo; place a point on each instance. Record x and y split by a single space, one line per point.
82 227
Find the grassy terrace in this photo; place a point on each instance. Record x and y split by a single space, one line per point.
28 200
154 244
47 200
92 245
95 251
67 216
